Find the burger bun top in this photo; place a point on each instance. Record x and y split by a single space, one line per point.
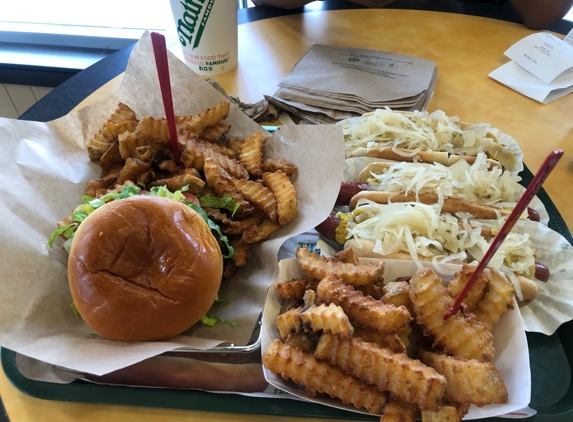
144 268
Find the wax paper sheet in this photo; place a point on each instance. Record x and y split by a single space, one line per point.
44 170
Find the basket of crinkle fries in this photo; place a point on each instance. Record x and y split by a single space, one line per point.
369 336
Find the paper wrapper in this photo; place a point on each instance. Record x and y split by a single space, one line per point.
554 303
511 352
44 170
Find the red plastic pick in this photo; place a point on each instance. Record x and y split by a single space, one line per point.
544 171
160 52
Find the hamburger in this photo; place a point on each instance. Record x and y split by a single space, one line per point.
144 268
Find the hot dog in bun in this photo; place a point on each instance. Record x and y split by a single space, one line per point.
144 268
470 188
424 137
419 232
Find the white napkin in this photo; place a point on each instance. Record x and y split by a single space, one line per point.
541 67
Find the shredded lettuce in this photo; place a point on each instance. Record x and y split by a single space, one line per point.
81 212
165 193
90 204
67 230
212 320
75 310
226 202
213 226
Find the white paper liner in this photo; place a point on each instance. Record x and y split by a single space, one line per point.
554 303
511 351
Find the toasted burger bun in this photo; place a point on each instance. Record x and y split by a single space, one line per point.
451 205
144 268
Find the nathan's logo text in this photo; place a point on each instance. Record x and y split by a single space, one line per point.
193 21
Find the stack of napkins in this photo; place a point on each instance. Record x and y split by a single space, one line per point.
541 67
332 83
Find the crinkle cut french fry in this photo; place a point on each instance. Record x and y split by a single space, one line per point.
214 115
138 152
302 341
241 251
462 334
373 290
443 414
121 120
221 182
292 289
289 322
348 256
231 166
152 130
406 378
107 135
317 266
468 381
399 411
330 319
197 123
397 293
302 368
497 300
252 154
121 114
475 294
362 309
194 153
260 231
132 168
285 194
214 133
193 183
390 340
260 196
231 226
270 165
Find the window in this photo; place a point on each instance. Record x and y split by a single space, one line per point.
101 24
45 42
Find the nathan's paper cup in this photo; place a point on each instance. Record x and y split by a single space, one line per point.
207 32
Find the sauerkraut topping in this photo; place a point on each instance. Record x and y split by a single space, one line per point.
472 182
415 131
421 230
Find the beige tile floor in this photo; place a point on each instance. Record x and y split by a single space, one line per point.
16 99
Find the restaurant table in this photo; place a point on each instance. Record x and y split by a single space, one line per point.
466 46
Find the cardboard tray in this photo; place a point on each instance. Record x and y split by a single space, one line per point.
551 361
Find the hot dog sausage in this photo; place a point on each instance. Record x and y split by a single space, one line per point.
533 215
328 227
348 190
542 272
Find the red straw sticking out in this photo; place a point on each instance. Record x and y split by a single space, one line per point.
160 52
544 171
